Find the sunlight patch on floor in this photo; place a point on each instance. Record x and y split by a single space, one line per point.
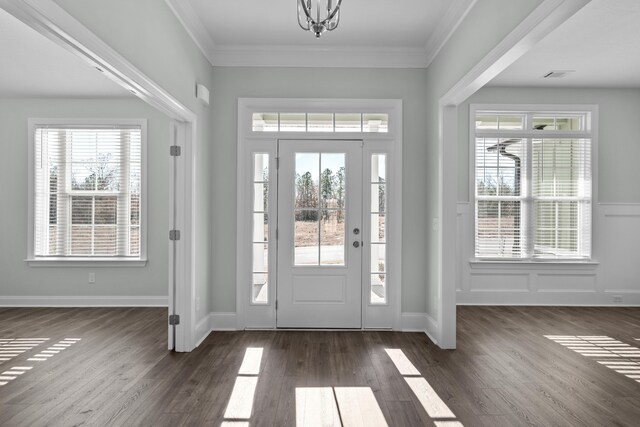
358 407
54 349
14 347
616 355
316 406
427 396
7 376
338 406
240 405
401 361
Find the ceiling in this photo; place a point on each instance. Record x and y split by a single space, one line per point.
402 33
34 66
601 43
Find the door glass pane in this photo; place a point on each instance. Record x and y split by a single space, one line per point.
332 237
259 289
378 228
260 199
378 168
260 257
260 167
332 180
307 174
260 229
378 197
306 250
378 288
378 258
378 248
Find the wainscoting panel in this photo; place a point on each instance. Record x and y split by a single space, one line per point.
572 282
611 278
620 238
498 281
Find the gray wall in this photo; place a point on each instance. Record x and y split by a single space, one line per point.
149 36
229 84
618 142
18 279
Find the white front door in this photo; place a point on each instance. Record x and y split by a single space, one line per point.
320 199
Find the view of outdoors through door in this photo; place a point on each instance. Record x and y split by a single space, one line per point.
320 207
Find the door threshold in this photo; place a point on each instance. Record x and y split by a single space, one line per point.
291 329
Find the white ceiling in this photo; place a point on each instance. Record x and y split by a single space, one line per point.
34 66
601 42
401 33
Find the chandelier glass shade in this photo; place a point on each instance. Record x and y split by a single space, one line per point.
319 16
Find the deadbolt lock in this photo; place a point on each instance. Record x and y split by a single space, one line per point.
356 231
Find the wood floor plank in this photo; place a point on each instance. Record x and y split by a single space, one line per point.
505 372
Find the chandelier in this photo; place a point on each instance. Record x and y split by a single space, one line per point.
327 21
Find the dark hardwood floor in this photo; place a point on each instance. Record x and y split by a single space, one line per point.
513 366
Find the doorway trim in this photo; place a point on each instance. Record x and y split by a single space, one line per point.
263 316
544 19
52 21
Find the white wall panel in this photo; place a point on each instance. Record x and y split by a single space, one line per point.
619 237
613 278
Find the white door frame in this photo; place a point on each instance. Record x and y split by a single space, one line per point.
262 316
53 22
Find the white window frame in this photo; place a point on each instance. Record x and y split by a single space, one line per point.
591 132
252 315
80 261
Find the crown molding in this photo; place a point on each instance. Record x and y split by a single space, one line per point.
453 17
334 57
189 19
303 56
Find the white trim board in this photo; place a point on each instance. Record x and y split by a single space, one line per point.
83 301
310 56
263 316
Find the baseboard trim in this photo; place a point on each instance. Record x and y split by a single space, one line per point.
431 328
553 299
420 322
203 329
413 322
221 321
83 301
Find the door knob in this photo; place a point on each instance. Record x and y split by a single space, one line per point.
356 244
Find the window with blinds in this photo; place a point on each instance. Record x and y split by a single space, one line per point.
532 184
88 191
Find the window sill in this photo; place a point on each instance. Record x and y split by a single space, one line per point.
86 262
478 263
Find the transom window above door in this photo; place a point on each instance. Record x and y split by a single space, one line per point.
320 122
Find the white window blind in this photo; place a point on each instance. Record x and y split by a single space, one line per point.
88 190
532 184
